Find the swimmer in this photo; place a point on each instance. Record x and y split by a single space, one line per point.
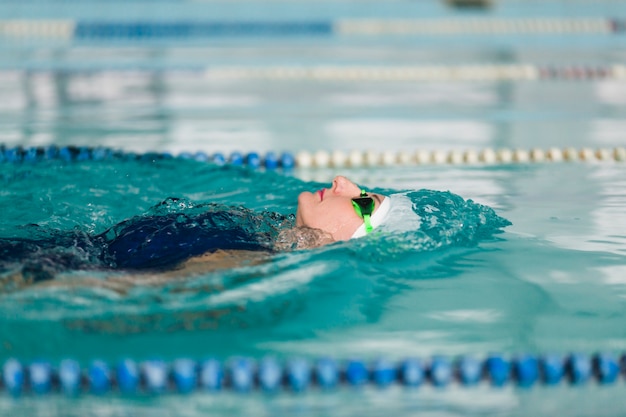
209 238
342 212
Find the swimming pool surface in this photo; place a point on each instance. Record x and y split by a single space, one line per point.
554 280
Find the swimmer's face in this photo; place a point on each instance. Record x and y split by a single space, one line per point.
331 210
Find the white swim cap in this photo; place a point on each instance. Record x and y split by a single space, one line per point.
395 214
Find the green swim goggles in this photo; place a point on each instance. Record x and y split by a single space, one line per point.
364 207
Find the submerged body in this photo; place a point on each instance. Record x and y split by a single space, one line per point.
173 232
153 242
198 238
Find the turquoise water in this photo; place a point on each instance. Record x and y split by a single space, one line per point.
552 281
244 310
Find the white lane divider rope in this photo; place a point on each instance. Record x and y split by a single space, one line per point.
488 156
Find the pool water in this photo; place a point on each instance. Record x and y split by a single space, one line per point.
551 281
260 299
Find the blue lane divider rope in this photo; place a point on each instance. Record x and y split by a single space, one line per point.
241 374
140 30
271 161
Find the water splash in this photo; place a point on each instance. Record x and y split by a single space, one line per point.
446 221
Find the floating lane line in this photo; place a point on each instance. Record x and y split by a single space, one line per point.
102 30
244 375
327 159
487 72
523 72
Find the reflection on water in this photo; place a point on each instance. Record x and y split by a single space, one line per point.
188 110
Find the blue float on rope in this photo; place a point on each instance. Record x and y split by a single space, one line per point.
412 372
327 373
498 370
241 374
253 160
84 154
579 367
271 161
69 376
236 158
270 374
40 377
356 372
211 375
469 370
383 372
298 374
50 152
13 155
155 373
99 377
218 159
128 376
65 154
553 368
526 368
201 157
287 161
440 371
606 368
31 155
99 154
184 375
13 376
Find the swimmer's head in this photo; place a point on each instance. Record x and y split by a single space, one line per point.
343 211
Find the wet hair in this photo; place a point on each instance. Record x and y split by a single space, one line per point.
301 238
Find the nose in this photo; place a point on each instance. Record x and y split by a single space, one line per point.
343 186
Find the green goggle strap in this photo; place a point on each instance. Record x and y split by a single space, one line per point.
368 224
364 209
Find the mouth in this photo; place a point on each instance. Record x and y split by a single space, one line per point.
321 193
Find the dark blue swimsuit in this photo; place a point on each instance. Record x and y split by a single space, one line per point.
152 241
160 241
